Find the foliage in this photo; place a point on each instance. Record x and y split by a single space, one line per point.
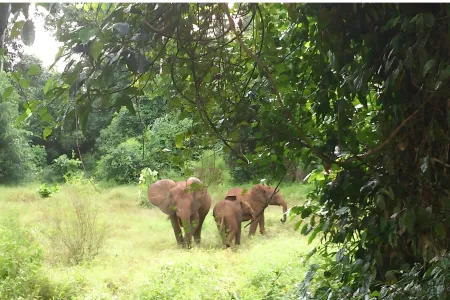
211 168
17 158
20 260
121 163
363 100
421 282
125 125
165 142
65 168
46 192
146 178
75 231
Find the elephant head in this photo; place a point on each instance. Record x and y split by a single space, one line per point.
268 196
247 210
175 200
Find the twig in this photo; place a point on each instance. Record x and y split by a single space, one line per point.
393 134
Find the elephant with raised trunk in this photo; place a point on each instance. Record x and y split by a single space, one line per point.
186 202
259 196
229 214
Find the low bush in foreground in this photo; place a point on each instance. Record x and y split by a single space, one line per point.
20 260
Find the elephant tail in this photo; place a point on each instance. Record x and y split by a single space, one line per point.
222 221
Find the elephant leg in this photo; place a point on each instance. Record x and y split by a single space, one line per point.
176 229
187 233
198 231
231 236
253 226
238 234
195 226
261 224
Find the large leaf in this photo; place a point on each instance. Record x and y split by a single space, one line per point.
28 33
16 29
428 66
96 49
34 70
122 28
47 131
7 92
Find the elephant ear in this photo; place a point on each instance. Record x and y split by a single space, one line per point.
159 195
259 193
235 193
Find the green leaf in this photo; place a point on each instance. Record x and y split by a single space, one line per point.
15 30
24 83
313 235
96 49
306 212
444 74
381 203
409 221
179 140
428 66
57 56
126 101
23 116
304 229
48 84
440 230
428 20
34 70
86 33
47 131
28 33
7 92
122 28
297 225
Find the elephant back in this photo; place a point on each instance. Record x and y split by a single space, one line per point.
159 194
235 194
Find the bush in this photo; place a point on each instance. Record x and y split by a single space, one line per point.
161 153
38 159
211 168
121 164
20 260
46 192
75 231
64 168
147 177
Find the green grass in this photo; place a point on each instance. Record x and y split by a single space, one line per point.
142 261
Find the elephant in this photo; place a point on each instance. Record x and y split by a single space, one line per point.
229 214
258 197
186 202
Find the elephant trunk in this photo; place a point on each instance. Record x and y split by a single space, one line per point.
283 203
186 223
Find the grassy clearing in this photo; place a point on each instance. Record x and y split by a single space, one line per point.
142 261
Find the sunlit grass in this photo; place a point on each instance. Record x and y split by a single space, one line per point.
142 261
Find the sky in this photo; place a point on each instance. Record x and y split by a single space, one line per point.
45 46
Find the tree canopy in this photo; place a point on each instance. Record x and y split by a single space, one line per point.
358 91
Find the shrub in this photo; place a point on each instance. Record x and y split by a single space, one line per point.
211 168
20 260
121 164
46 192
66 168
75 231
161 152
38 159
147 177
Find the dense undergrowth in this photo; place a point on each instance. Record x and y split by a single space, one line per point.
138 258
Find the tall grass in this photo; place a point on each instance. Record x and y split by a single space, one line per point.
140 259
